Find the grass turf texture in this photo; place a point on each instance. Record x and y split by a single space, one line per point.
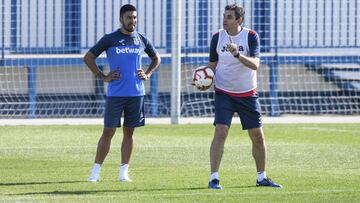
314 163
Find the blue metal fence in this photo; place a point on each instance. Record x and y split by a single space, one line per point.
68 26
72 26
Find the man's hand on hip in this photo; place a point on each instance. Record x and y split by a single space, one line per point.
113 75
142 75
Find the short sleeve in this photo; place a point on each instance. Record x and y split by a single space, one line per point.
100 46
213 53
149 48
254 44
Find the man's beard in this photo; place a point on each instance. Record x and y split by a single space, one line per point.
130 28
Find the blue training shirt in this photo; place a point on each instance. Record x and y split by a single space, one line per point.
124 54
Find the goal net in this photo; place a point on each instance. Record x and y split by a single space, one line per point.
309 55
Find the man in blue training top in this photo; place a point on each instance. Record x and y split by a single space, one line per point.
126 91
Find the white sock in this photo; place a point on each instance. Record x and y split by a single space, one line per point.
96 169
214 175
261 175
124 170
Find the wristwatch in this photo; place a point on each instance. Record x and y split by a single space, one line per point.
237 55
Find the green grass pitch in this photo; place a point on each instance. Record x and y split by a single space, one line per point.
170 163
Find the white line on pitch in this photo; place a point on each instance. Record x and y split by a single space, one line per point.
328 129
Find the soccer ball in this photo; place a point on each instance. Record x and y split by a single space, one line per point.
203 77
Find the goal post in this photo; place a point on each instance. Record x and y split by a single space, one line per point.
176 62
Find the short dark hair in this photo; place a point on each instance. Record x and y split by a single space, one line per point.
125 8
239 11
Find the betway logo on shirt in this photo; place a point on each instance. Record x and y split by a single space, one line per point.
127 50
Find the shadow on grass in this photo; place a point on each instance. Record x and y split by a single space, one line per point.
38 183
241 187
86 192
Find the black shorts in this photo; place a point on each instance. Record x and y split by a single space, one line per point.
132 107
248 109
